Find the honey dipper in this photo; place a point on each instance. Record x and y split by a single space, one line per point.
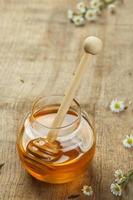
49 147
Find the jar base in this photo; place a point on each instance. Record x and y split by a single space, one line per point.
59 177
54 180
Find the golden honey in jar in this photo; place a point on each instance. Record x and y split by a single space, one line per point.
67 157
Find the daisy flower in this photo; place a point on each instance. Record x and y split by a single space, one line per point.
81 7
115 188
91 15
119 176
117 106
87 190
96 4
70 14
121 182
128 141
78 20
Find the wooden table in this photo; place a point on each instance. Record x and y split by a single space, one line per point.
39 49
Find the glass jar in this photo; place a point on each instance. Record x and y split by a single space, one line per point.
69 155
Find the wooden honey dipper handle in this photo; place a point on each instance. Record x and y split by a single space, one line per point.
92 46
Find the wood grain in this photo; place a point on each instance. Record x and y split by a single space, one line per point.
36 60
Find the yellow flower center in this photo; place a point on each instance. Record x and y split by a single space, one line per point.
117 188
117 106
129 141
90 14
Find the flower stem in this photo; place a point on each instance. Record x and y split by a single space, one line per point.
126 179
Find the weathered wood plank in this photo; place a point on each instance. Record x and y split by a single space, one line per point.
33 56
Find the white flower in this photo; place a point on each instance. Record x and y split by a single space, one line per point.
87 190
112 8
91 15
117 106
128 141
78 20
70 14
119 175
116 189
97 4
81 7
94 3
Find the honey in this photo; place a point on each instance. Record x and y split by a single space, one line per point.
67 157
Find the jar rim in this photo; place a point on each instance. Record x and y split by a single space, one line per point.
78 117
